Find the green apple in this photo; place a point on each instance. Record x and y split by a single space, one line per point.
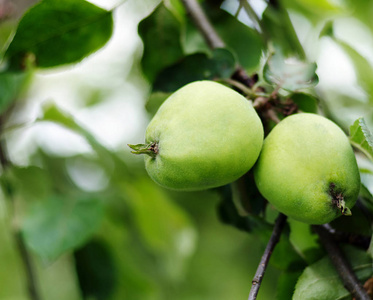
204 135
307 169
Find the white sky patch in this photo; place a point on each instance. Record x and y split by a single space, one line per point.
232 6
336 71
356 34
118 118
87 175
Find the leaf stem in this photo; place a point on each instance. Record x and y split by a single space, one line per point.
242 87
25 256
340 263
274 239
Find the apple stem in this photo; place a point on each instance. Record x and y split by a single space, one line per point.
338 200
344 209
150 149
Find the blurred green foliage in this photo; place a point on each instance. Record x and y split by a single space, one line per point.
129 238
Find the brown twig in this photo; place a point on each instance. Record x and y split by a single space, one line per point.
357 240
340 263
20 243
203 24
212 38
274 239
272 115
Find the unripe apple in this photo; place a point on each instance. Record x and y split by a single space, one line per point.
307 169
204 135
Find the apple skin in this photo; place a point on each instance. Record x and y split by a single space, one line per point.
206 135
306 162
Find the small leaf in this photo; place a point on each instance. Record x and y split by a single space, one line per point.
289 74
321 281
59 224
160 33
59 32
96 271
195 67
305 102
361 137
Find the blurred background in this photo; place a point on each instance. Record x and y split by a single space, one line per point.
96 225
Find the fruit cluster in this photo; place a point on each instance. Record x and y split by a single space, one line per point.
207 135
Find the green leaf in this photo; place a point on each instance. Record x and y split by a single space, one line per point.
361 137
32 182
358 223
279 30
136 277
61 224
344 109
195 67
7 28
366 190
363 68
305 102
160 33
246 44
285 258
11 86
321 280
164 228
246 196
361 65
59 32
304 241
235 211
155 101
177 9
96 270
362 10
286 284
289 73
316 10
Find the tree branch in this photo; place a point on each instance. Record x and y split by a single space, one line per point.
275 237
212 38
354 239
17 235
340 263
203 24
